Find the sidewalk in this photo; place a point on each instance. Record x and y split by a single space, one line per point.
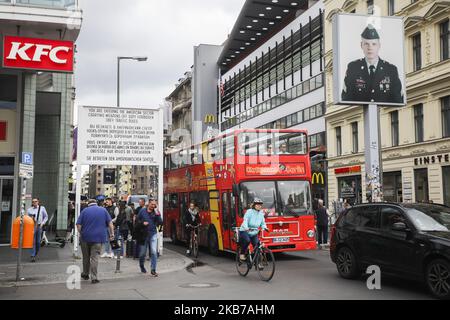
52 265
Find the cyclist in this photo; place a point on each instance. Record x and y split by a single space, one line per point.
192 218
248 232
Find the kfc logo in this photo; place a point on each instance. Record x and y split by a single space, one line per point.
38 54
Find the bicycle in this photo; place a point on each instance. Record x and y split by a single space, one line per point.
193 240
261 258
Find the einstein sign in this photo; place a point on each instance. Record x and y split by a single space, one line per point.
119 136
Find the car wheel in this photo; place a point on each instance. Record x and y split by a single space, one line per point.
213 244
437 278
346 263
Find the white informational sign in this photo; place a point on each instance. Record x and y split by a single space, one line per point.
368 60
6 206
26 171
119 136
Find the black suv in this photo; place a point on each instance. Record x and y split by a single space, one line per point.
408 240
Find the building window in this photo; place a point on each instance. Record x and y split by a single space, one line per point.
446 180
394 128
445 105
392 186
421 185
417 52
370 6
418 122
445 40
338 141
391 7
355 137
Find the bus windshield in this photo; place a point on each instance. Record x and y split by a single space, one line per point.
282 198
272 143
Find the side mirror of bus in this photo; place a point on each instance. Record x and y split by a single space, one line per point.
235 190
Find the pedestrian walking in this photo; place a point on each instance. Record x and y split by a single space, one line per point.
123 222
93 224
113 213
151 219
322 223
40 218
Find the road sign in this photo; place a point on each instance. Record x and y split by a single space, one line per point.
27 158
26 171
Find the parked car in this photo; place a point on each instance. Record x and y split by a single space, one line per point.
406 240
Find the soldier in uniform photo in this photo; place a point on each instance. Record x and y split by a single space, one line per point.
372 79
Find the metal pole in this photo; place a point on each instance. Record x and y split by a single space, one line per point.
76 253
161 168
22 214
118 106
374 172
119 250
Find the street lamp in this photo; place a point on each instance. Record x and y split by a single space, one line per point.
139 59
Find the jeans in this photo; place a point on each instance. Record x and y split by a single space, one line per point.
150 243
322 234
245 239
36 241
107 246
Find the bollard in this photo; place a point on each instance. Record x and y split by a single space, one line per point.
118 251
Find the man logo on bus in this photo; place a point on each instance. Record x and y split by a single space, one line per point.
317 178
282 167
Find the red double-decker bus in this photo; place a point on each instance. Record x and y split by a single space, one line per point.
224 174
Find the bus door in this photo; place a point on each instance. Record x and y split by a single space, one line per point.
228 217
184 203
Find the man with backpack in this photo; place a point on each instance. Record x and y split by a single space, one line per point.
123 221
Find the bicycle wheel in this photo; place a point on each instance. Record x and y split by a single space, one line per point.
195 247
242 267
265 264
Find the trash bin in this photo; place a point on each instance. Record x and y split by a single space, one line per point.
28 233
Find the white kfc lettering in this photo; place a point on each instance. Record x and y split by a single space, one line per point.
16 50
41 50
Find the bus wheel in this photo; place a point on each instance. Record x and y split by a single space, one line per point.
213 244
173 233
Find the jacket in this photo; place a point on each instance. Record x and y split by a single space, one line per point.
153 218
253 219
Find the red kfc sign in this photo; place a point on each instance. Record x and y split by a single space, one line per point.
38 54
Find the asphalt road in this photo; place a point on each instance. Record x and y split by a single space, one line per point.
304 275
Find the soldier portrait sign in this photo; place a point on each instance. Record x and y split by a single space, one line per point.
368 60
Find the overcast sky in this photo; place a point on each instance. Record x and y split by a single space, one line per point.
163 30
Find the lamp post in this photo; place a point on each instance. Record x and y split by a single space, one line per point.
140 59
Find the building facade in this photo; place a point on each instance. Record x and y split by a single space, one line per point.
415 139
272 71
36 109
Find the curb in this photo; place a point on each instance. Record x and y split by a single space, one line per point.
102 276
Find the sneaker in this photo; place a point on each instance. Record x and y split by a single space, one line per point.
95 281
154 273
143 270
84 277
110 255
33 259
242 257
104 255
188 251
260 267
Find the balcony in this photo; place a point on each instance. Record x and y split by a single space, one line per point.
52 19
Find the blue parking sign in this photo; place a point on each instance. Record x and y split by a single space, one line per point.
27 158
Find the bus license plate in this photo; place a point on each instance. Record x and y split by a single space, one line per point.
278 240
